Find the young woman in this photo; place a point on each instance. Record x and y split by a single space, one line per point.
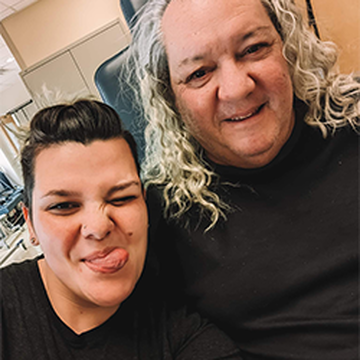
88 297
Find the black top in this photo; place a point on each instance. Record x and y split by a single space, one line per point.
280 275
142 328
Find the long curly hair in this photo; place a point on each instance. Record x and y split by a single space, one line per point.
174 159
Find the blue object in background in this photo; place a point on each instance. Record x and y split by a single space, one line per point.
114 88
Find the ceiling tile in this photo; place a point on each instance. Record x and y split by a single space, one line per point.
9 2
9 7
6 13
2 7
23 4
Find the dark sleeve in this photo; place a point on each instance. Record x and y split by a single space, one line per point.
191 337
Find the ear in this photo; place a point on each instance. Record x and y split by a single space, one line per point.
25 211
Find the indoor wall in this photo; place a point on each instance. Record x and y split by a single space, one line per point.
48 26
339 21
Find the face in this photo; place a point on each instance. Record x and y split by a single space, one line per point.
231 82
90 217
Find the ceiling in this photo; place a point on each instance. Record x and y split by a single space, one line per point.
9 69
9 7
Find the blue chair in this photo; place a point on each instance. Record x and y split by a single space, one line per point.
114 89
11 217
129 8
10 195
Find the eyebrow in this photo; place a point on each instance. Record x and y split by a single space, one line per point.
123 186
260 29
66 193
62 193
250 34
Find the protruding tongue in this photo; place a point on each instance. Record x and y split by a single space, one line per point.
113 261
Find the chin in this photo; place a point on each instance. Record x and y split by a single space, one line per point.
109 301
111 297
260 153
252 158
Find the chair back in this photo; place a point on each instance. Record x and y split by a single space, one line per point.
129 8
115 90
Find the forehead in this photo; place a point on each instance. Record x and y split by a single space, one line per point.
191 26
73 164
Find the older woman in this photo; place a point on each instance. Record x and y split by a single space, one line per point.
252 144
85 206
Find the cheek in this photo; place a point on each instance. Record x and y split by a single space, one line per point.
54 236
196 111
139 237
278 81
197 103
137 241
133 222
283 84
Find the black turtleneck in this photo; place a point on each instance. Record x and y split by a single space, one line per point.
280 275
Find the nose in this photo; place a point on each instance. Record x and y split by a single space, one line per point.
235 81
97 224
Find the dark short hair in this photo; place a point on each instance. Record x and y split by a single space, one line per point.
82 121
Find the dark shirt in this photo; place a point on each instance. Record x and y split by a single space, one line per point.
142 328
280 275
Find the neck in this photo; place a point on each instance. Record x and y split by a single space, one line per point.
79 315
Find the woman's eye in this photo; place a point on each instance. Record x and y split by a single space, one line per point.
198 74
64 207
122 200
254 48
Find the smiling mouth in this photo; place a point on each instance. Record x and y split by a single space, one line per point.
247 116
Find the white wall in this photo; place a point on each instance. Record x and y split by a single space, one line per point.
13 96
9 162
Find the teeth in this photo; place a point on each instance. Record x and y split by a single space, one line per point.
242 117
239 118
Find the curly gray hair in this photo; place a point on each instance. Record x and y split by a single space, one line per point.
174 158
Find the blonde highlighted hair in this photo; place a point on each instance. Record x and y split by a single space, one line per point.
174 159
